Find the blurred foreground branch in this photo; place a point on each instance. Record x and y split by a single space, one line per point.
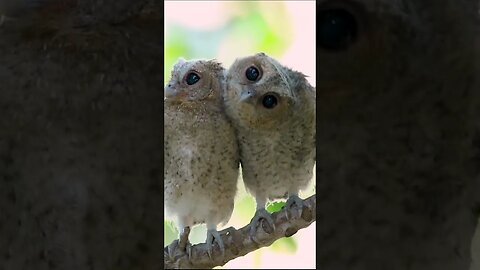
238 243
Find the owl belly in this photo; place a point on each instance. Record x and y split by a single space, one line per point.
274 170
200 207
200 182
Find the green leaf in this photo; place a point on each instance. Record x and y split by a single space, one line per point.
274 207
191 44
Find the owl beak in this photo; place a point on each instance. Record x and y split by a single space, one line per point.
170 90
247 94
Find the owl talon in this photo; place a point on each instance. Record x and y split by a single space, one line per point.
175 245
260 214
183 239
294 199
182 244
211 236
188 249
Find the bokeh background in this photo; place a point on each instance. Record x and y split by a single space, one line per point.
226 30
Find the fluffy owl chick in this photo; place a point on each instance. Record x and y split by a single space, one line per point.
273 110
201 153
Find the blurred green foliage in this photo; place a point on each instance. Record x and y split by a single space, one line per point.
244 209
254 27
284 245
169 232
190 44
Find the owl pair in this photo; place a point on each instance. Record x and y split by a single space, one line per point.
259 114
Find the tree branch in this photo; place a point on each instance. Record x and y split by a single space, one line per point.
238 243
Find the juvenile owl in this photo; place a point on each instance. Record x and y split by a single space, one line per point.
201 153
273 110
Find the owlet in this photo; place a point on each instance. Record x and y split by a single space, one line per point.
273 110
201 153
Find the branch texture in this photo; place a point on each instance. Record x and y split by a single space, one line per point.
239 243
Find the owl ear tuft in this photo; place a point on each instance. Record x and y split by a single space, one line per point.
181 60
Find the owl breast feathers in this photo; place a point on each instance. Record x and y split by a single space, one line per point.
201 153
273 110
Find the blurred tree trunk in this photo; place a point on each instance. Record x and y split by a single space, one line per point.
80 142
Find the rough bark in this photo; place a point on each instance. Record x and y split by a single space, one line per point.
239 243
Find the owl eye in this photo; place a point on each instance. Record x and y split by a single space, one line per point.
192 78
269 101
337 29
252 73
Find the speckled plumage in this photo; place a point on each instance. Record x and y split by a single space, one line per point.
277 145
201 152
397 179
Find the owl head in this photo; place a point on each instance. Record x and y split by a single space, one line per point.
195 80
261 93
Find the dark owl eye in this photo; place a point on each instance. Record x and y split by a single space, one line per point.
252 73
192 78
337 29
269 101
